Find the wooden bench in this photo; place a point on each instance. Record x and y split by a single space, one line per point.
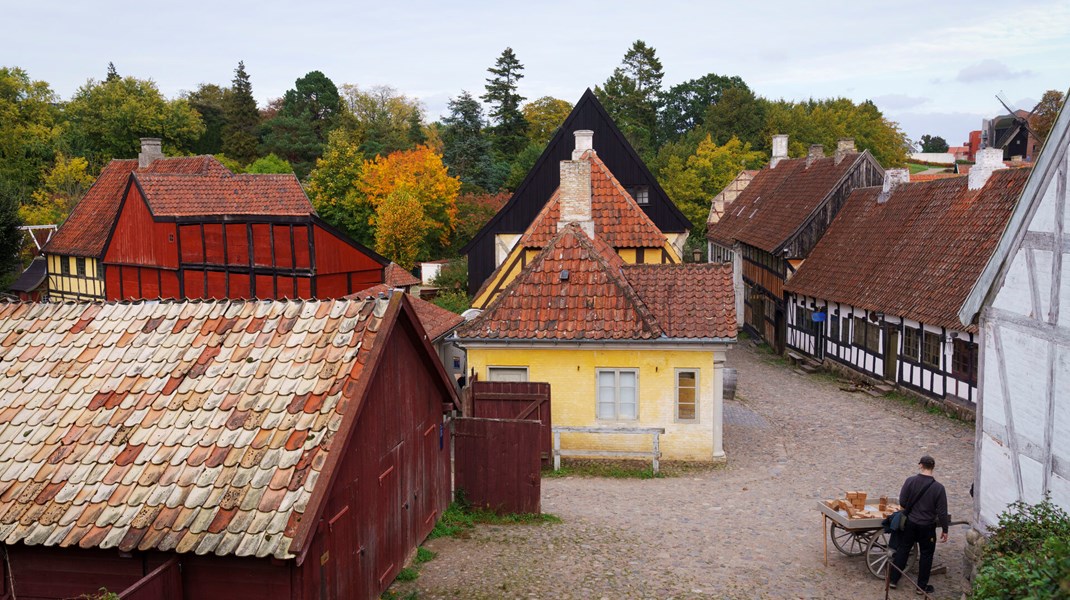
654 453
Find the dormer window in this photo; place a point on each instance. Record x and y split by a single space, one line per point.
640 193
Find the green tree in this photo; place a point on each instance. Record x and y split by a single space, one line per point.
416 133
473 212
381 119
544 116
333 189
112 73
467 150
270 164
933 143
241 120
64 185
309 112
105 120
209 100
1044 113
11 237
28 130
632 95
684 105
523 163
826 121
738 113
510 127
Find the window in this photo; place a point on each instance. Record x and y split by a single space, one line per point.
640 193
686 395
964 361
873 338
65 265
845 331
618 394
911 343
507 373
834 327
80 264
931 348
859 338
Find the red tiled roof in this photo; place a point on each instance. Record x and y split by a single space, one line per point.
777 201
395 276
917 255
188 427
176 195
436 320
600 300
617 218
86 230
688 300
916 177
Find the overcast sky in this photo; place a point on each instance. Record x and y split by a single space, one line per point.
934 67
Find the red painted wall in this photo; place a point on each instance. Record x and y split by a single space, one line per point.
139 240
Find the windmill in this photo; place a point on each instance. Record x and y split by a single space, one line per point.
1011 132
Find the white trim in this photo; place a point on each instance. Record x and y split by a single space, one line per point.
676 395
506 368
616 392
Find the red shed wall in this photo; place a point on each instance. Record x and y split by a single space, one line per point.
394 481
341 268
139 240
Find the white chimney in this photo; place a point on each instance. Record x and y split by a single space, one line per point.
584 142
575 195
780 150
893 178
150 151
816 151
988 160
843 148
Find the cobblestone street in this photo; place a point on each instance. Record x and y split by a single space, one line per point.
748 530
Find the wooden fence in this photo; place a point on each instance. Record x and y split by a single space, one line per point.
497 464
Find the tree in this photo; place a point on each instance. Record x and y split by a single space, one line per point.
299 132
209 100
738 113
400 227
933 144
333 189
1045 112
11 237
544 116
64 185
466 148
522 164
826 121
684 105
112 73
631 95
270 164
416 134
473 212
381 119
418 172
241 119
510 127
105 120
28 130
314 97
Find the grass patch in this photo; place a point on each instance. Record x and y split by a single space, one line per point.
392 595
408 574
625 469
459 518
424 555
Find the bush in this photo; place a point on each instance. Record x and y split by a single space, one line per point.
453 275
1027 555
453 301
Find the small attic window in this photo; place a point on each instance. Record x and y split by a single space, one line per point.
563 275
640 193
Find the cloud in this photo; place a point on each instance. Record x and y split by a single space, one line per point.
990 69
898 101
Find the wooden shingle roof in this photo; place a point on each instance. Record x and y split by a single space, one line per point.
178 195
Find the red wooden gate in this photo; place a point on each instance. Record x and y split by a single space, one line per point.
516 400
497 464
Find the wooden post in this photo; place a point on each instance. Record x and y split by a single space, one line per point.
824 535
557 450
657 452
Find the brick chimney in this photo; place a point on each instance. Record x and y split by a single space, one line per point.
988 160
816 151
575 190
780 150
150 151
843 148
893 178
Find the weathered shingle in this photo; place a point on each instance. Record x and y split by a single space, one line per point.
436 320
177 195
689 300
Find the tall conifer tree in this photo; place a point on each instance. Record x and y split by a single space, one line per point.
510 128
242 119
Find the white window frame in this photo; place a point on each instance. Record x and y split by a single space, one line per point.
676 395
616 393
491 369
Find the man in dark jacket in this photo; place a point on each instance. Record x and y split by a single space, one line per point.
924 502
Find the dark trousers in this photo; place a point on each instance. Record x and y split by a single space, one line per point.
925 537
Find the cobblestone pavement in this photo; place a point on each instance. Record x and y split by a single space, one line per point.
747 530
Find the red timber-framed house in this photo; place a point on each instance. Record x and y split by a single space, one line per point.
233 449
888 279
494 243
189 228
777 219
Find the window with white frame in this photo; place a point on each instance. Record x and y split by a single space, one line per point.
618 394
507 373
687 395
640 193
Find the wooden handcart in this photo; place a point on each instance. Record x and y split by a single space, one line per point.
860 536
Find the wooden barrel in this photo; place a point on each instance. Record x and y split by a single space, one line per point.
730 380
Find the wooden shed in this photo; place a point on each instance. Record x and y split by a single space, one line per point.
269 449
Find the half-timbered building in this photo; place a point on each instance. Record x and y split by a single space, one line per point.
494 242
777 219
881 292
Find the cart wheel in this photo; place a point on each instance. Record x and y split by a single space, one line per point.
851 543
879 553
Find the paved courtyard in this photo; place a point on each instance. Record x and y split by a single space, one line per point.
748 530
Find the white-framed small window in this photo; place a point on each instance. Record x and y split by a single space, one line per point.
687 395
618 394
80 266
507 373
640 193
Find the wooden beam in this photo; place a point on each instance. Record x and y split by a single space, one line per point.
1012 439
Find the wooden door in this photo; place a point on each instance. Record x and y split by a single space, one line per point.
891 354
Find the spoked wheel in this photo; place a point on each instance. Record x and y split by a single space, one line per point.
879 553
851 543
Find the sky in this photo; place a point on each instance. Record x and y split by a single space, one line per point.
933 67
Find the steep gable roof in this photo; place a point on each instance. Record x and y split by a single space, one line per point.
395 276
85 232
436 320
780 200
194 427
178 195
915 255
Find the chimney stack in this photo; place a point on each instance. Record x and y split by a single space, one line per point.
780 150
893 178
575 190
816 151
844 147
988 160
150 151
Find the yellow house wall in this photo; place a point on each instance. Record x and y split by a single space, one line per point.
73 287
572 374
